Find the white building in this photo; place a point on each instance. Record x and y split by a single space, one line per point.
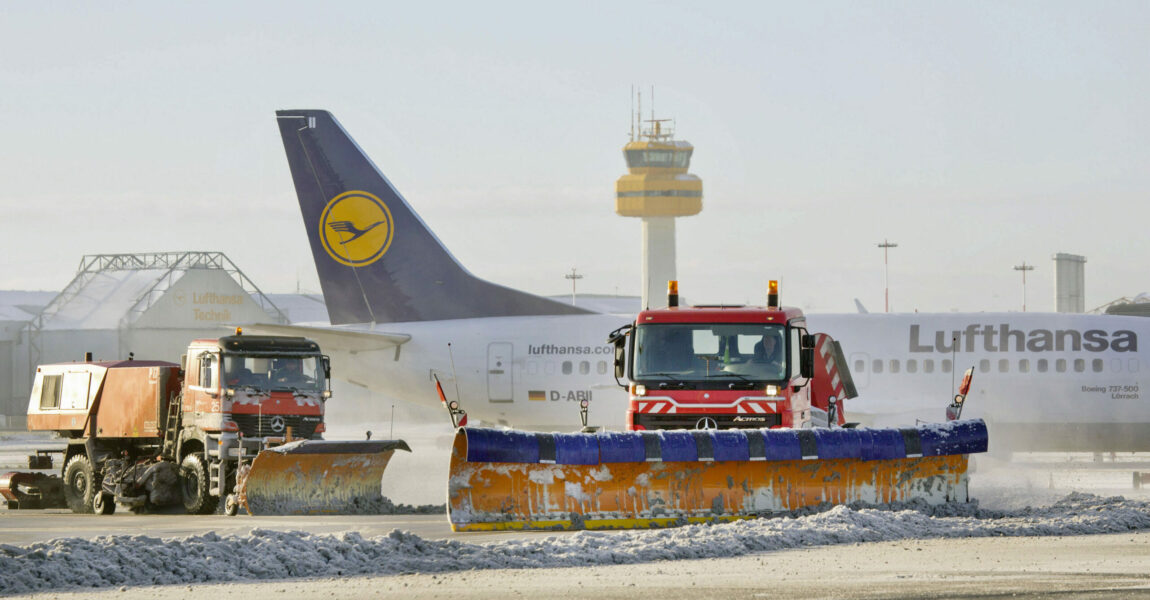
120 305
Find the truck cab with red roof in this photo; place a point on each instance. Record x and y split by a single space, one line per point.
724 367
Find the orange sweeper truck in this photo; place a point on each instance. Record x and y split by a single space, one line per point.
238 423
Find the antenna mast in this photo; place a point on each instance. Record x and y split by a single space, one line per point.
631 114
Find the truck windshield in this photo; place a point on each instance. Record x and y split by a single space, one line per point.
710 352
274 372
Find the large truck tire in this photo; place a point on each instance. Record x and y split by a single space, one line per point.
195 486
79 484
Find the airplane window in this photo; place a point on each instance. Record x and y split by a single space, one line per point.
601 367
566 367
1042 367
946 365
912 366
928 366
549 367
1097 364
1116 365
1003 365
1079 365
1024 365
584 367
893 366
532 367
860 366
1060 365
877 366
983 366
1133 364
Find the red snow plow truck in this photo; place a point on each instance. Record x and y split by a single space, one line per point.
734 412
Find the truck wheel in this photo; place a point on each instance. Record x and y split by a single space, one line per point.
79 484
231 505
103 503
194 473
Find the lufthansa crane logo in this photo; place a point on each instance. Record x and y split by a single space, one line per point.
356 228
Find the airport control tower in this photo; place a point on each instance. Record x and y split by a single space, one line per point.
657 188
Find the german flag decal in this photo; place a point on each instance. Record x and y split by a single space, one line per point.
536 395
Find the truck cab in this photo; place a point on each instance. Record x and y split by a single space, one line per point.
726 367
258 386
242 393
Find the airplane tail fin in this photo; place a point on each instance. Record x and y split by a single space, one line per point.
377 261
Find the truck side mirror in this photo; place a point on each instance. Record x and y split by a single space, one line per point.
807 356
620 358
618 338
326 368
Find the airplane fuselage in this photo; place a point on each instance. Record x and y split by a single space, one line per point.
1044 381
523 371
1051 381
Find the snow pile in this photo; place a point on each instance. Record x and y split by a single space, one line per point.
263 554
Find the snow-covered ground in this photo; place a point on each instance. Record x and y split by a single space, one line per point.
1013 500
138 560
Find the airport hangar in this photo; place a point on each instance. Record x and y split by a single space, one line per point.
149 305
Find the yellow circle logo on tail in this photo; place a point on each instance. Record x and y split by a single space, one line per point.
356 228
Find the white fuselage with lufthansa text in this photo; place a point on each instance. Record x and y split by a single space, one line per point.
531 372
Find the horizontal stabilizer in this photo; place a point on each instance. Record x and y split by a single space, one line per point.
333 339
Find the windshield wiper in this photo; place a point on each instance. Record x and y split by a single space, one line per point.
729 374
676 382
668 375
746 383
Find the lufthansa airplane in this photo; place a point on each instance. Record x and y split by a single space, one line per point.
403 311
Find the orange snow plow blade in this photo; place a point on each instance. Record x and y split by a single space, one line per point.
317 477
636 480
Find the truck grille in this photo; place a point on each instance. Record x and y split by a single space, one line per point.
723 421
262 425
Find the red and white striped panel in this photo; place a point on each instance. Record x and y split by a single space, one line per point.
756 407
667 406
826 352
660 407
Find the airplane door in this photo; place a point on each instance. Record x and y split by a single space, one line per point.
499 372
861 376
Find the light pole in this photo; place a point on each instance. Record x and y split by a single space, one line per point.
572 276
1024 268
886 246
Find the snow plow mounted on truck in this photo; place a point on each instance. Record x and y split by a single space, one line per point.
240 422
734 412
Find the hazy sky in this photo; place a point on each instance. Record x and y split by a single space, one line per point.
976 135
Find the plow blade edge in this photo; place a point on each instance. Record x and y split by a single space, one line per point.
631 480
318 477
